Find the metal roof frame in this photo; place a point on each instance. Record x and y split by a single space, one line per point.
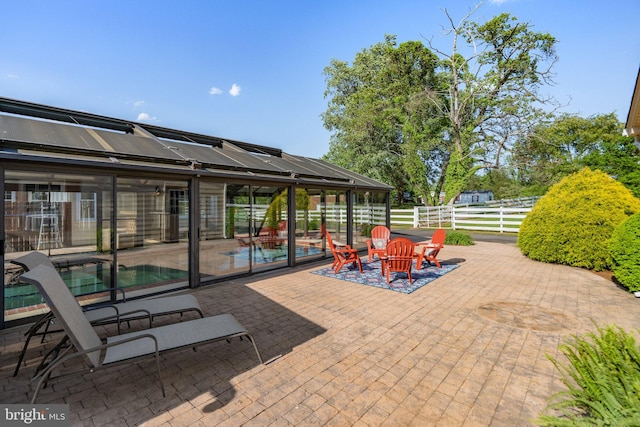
28 129
24 108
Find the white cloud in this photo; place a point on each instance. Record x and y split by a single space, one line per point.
235 90
12 76
144 117
138 103
215 91
498 1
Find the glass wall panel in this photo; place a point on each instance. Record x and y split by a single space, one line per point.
336 218
68 218
225 240
152 235
310 216
269 227
369 210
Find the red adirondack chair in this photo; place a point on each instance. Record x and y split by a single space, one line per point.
268 238
431 249
377 244
343 255
399 257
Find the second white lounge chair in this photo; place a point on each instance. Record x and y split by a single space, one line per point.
126 348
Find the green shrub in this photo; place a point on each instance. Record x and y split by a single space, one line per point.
602 376
314 224
573 222
624 247
365 230
458 238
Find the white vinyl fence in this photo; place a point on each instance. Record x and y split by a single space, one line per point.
504 216
489 219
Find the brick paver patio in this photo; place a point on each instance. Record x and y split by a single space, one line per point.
466 350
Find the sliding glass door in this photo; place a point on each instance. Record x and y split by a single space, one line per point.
369 210
225 239
310 223
269 237
152 235
68 218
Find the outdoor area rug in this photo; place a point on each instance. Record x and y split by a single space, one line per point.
372 276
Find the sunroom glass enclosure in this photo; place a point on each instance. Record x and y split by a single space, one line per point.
127 207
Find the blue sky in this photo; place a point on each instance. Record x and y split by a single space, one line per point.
252 70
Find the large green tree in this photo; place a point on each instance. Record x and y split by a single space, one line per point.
490 93
569 143
424 120
376 129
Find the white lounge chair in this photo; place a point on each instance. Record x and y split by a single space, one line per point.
126 348
104 314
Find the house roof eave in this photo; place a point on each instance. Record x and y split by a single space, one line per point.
632 127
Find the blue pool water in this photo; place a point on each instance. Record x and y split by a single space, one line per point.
262 256
94 279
